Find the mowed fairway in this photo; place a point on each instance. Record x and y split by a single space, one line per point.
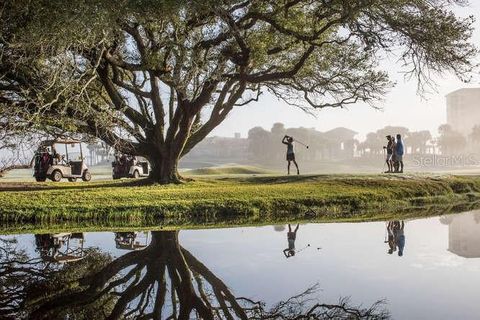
217 197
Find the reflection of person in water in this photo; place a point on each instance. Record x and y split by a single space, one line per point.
391 239
291 237
396 237
400 237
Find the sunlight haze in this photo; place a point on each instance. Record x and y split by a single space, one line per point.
402 106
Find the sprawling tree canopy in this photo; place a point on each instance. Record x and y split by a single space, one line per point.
154 78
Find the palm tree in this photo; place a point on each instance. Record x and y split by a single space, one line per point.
418 140
475 135
450 141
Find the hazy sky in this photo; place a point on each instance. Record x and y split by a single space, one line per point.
402 106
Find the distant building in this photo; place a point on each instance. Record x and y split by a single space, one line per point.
463 110
341 142
220 148
464 234
262 146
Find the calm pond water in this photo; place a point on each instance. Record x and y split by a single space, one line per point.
433 272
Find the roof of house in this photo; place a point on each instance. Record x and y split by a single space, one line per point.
463 90
341 133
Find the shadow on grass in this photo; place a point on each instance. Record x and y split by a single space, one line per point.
37 186
346 179
279 179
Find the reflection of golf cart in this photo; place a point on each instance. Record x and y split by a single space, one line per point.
49 163
60 247
131 240
127 166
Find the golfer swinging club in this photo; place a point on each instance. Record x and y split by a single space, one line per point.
290 153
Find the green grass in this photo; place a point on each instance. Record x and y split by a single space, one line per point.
235 200
241 221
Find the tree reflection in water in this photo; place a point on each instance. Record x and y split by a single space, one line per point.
25 282
162 281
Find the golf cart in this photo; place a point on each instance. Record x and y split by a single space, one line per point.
127 166
49 163
131 240
60 247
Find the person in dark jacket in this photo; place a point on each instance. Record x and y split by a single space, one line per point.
399 151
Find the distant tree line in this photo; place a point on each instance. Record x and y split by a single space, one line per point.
416 142
341 144
265 146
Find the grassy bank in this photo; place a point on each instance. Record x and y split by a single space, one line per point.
242 200
181 223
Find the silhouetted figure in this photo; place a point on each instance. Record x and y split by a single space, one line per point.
291 237
394 156
396 237
399 151
290 153
389 159
400 236
391 238
43 159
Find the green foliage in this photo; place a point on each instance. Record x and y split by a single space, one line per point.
259 199
99 68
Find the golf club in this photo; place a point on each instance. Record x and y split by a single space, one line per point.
298 251
303 144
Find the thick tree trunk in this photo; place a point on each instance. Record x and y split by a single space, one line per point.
164 153
164 169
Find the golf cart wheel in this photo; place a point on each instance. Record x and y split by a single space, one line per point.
56 176
40 179
87 176
72 179
136 175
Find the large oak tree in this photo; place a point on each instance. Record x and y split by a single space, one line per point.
154 78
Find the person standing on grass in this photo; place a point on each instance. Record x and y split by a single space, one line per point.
290 153
399 151
389 158
291 237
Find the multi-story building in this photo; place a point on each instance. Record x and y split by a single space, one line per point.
463 110
463 234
